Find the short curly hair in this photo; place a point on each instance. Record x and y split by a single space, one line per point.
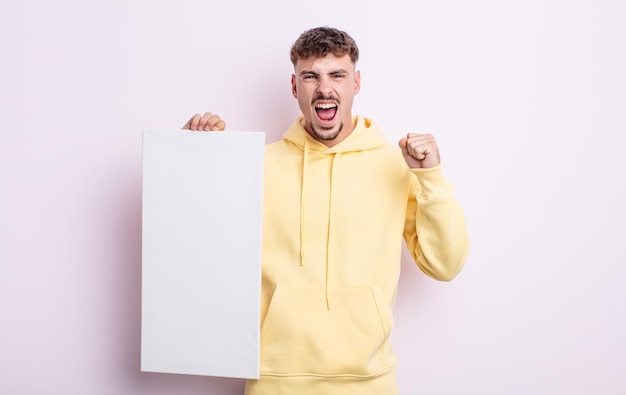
320 41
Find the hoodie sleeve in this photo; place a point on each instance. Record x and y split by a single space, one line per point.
435 229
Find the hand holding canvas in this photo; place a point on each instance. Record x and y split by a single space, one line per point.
205 123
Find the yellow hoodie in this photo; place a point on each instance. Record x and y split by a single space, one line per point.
334 220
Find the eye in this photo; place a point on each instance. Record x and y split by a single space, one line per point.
309 77
338 76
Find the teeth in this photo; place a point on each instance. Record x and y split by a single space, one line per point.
326 105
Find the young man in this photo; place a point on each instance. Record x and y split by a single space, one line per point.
338 202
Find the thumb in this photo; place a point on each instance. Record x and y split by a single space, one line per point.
402 143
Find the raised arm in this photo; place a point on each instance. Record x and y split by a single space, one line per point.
435 230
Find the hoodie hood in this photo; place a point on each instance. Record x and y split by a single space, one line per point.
365 136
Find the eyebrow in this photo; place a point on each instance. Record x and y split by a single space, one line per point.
311 72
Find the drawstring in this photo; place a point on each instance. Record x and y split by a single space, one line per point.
305 160
331 215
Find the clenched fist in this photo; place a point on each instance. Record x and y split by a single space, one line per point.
420 151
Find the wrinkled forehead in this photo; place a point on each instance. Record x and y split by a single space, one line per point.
325 64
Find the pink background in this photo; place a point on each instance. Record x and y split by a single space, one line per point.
527 103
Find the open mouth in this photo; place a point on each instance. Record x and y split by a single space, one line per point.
326 111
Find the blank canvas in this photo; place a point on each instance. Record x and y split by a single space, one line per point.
201 252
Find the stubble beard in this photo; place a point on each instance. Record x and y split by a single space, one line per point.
319 135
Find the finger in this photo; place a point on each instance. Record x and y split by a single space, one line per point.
192 123
420 153
202 124
402 143
208 121
214 123
419 147
221 125
420 138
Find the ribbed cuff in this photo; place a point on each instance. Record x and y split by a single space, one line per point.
433 183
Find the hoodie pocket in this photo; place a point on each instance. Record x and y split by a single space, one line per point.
301 335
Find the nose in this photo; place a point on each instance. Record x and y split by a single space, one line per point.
325 85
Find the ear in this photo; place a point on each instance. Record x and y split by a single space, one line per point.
294 90
357 81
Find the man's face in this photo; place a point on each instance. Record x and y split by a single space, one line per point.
325 89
